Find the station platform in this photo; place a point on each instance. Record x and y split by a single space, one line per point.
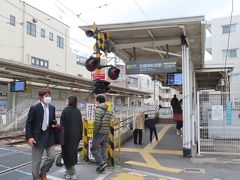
160 160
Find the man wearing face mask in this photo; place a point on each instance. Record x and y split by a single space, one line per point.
40 134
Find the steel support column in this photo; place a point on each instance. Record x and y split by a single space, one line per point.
186 101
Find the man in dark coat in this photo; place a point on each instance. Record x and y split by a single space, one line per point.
174 103
71 120
40 134
178 117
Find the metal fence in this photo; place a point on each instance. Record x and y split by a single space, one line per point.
13 121
13 116
218 123
126 116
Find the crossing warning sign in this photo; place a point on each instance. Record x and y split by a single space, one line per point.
90 156
90 129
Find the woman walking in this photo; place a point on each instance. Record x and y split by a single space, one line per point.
71 120
178 117
138 127
151 126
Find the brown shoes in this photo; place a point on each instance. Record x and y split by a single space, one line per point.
43 176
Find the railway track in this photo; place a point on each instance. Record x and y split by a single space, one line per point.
13 139
13 136
11 169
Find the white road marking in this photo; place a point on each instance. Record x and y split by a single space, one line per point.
62 170
103 176
16 151
16 170
137 174
54 178
6 149
152 174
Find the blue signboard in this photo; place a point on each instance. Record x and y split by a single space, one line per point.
82 106
151 66
228 113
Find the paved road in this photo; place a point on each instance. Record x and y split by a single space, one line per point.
160 160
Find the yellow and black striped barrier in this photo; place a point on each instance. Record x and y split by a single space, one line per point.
111 145
85 140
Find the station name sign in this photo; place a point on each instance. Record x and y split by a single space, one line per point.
151 66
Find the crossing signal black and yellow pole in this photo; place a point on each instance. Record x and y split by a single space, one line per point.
111 145
94 63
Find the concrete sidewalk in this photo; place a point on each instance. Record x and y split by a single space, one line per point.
165 158
162 160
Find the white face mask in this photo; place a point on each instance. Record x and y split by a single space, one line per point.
47 100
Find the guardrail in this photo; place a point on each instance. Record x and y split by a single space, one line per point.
126 116
122 122
16 117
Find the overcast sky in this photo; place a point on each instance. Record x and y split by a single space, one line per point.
115 11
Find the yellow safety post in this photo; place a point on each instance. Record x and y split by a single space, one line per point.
119 140
85 140
111 145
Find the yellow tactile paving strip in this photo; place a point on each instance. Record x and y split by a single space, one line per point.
150 161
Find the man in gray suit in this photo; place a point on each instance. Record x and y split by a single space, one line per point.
40 134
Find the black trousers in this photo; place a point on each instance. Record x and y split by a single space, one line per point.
151 133
179 124
136 133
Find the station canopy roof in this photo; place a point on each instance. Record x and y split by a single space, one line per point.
209 77
17 71
157 39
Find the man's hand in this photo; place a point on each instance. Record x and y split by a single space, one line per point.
31 142
54 123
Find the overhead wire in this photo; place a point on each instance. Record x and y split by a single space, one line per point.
86 11
140 8
228 42
78 15
99 7
72 12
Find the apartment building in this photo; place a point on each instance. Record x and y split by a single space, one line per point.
222 54
166 94
31 37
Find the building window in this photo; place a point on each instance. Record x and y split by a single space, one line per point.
50 36
81 60
133 82
148 83
227 29
230 53
12 20
121 78
31 29
39 62
43 33
60 42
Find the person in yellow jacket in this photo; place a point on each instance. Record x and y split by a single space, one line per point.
138 127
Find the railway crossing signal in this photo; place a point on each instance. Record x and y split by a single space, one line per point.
100 86
93 63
